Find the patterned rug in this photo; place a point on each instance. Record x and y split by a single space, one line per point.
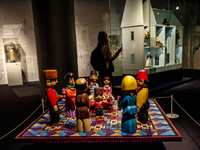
158 128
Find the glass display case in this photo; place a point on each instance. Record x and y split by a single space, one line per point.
142 32
166 40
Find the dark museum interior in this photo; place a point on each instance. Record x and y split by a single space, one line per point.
55 34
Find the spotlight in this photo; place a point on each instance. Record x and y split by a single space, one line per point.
177 8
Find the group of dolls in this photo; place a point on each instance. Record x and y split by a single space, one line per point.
78 103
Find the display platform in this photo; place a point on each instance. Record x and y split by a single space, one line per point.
108 130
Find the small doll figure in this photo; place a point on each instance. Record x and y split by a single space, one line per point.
148 62
128 104
70 95
158 43
142 96
107 90
53 96
93 83
82 106
98 103
147 36
177 37
165 22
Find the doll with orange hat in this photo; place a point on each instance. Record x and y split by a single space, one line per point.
53 96
142 96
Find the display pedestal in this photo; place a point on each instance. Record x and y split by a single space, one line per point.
172 116
14 73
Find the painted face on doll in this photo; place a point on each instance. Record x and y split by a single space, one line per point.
98 98
71 81
142 83
51 83
93 78
106 81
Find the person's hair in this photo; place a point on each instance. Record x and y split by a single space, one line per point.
102 39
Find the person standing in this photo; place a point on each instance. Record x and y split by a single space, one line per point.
103 45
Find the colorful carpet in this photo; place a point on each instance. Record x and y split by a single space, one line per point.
158 128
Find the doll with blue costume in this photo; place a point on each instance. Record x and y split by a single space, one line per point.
128 104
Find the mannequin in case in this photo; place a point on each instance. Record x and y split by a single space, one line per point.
82 106
70 95
128 104
53 96
142 96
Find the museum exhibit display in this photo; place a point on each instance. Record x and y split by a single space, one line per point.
147 28
152 42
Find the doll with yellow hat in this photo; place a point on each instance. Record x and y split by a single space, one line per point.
52 96
128 104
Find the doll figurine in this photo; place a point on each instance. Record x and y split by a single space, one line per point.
82 106
98 103
165 22
93 83
142 96
52 96
128 104
158 43
147 36
148 62
70 95
107 90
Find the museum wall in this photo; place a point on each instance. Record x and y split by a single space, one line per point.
91 16
16 26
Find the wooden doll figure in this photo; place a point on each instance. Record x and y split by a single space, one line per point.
52 96
128 104
93 83
70 95
142 96
98 103
107 90
82 106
